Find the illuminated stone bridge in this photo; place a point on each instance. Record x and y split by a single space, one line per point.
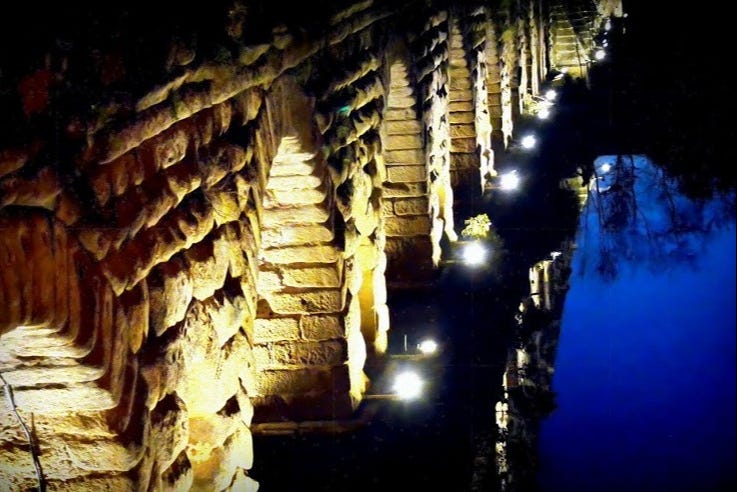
201 214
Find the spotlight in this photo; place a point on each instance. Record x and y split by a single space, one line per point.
606 167
529 141
600 54
428 346
550 95
407 385
509 181
608 25
473 254
543 114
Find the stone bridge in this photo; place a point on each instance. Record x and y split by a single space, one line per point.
201 214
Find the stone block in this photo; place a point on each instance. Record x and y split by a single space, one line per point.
463 117
411 206
206 270
289 354
327 276
396 190
407 226
305 380
320 301
321 326
301 254
404 127
295 215
400 114
304 196
463 131
288 183
403 142
276 329
296 235
407 174
183 178
457 106
170 290
464 145
170 146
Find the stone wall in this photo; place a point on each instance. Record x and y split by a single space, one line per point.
199 233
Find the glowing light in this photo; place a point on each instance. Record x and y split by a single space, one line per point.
555 254
600 54
407 385
608 25
529 141
509 181
550 95
543 114
473 254
606 167
428 346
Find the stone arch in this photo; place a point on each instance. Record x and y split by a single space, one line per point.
309 347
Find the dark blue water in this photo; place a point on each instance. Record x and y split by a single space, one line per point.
645 379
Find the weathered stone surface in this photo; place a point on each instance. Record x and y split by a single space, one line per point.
460 106
321 327
179 476
297 235
462 131
403 142
304 196
206 269
320 301
217 470
400 114
135 308
406 174
295 215
71 397
301 254
404 127
275 329
243 483
407 226
287 183
295 381
466 145
400 101
405 157
169 429
411 206
465 162
40 190
170 290
100 455
311 277
393 190
286 354
283 166
269 281
225 205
